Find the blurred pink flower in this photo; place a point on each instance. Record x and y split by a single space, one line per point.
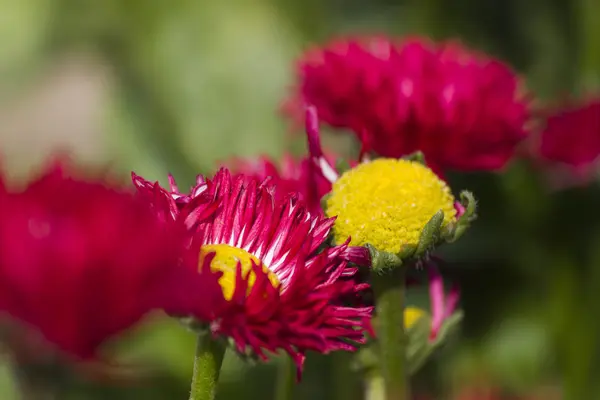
463 110
442 305
81 261
570 139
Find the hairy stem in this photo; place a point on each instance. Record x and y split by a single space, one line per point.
390 294
207 366
286 379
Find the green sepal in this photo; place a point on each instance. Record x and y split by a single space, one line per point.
470 204
430 236
417 156
454 231
382 261
407 251
431 233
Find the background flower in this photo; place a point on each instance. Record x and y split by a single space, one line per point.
82 260
292 175
462 109
571 136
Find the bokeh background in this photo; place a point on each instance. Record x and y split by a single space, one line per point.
157 86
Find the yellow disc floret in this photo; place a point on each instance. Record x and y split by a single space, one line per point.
226 260
412 315
387 203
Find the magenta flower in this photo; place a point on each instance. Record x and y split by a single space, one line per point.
570 139
268 287
82 261
291 176
463 110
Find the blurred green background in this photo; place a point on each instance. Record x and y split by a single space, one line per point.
159 86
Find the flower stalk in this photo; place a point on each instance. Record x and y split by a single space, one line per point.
390 293
207 367
374 387
286 374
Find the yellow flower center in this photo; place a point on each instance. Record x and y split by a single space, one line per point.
226 260
412 315
387 202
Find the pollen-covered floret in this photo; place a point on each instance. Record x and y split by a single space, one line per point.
387 202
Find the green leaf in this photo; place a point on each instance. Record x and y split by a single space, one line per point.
419 348
449 327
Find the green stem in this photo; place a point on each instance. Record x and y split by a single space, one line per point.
343 382
374 387
207 366
286 379
390 294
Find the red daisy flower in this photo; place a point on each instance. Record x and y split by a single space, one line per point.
82 261
571 137
270 284
463 110
292 176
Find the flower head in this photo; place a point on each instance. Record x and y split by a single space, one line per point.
82 260
387 202
571 137
462 110
397 207
269 283
291 176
